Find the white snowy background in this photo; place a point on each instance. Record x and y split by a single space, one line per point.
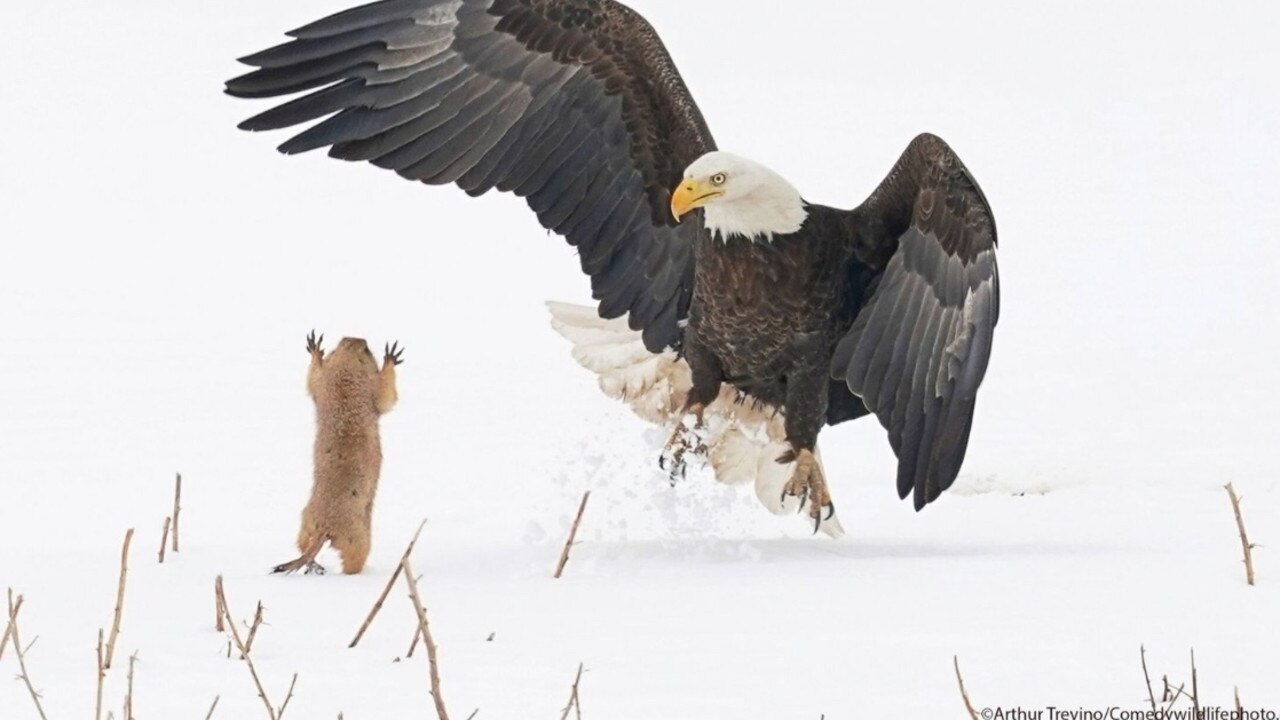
159 271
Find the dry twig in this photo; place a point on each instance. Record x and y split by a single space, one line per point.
1151 693
115 623
164 538
177 508
573 533
253 629
217 605
24 676
1195 686
1244 537
14 607
102 676
244 651
128 695
377 606
573 697
433 666
1239 707
289 696
213 707
968 705
417 635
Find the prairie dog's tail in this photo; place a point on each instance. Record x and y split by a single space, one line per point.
744 439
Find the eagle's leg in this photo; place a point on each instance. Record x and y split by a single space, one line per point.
810 485
689 436
806 412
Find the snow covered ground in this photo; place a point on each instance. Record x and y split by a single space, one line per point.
159 272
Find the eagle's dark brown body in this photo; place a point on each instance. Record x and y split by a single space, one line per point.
767 315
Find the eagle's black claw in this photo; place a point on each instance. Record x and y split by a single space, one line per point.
315 345
674 467
832 512
804 498
685 442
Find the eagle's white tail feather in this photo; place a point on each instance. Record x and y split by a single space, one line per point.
735 457
592 335
744 440
584 316
608 357
772 476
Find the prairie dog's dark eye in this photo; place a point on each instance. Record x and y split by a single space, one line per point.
719 179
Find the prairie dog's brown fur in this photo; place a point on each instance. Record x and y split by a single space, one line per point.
351 393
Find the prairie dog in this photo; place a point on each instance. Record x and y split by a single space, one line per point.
351 393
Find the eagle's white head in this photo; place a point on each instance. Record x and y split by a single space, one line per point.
740 197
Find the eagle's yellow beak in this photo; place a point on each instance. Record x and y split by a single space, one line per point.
690 195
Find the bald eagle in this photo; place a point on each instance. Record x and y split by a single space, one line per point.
748 326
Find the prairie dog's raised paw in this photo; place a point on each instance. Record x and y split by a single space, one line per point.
393 354
315 345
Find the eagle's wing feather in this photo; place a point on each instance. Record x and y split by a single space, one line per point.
574 105
919 347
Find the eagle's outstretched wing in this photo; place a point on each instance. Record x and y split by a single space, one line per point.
918 350
573 104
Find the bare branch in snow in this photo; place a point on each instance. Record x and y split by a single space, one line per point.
573 697
253 629
128 695
433 665
968 705
115 623
177 508
1151 693
24 676
164 537
102 676
573 533
377 606
14 607
1244 536
230 622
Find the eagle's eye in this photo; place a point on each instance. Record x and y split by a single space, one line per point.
719 179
